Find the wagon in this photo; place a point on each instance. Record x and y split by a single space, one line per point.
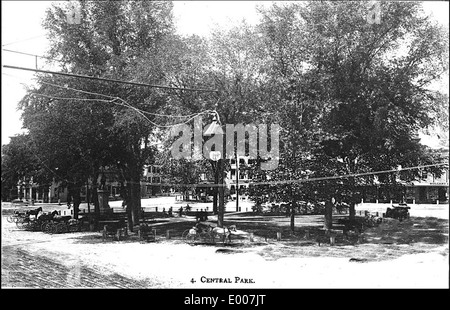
208 233
61 224
198 233
399 212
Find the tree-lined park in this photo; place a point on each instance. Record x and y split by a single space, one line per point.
349 92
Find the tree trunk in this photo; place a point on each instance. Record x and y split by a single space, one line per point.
87 197
126 194
95 200
352 211
328 215
76 196
134 202
293 218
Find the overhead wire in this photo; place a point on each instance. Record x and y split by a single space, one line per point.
281 182
23 40
118 98
29 54
110 80
344 176
123 103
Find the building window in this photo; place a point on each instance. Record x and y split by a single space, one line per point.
424 175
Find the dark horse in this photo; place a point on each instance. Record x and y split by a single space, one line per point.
48 216
34 212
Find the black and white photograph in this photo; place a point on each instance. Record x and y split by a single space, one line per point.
237 147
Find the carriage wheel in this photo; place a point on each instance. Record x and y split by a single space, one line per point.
35 226
52 228
206 236
28 226
21 224
75 227
31 225
184 234
49 228
61 228
190 238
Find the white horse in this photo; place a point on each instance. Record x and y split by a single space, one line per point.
224 232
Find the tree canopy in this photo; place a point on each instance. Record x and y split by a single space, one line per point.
350 95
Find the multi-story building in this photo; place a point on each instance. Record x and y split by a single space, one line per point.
151 183
430 188
237 179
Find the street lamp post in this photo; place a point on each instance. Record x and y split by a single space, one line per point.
216 156
215 128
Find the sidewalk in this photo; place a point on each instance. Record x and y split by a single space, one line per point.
419 210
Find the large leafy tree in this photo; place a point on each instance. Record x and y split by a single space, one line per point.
105 125
352 94
228 63
377 77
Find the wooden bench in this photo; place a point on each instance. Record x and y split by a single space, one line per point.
146 233
328 235
115 229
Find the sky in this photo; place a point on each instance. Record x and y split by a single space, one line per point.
22 31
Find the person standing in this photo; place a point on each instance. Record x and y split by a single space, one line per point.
197 216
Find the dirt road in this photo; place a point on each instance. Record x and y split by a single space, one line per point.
23 269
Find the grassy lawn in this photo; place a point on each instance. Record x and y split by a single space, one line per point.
390 239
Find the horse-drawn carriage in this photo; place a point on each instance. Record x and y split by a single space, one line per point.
36 220
17 217
27 220
208 233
